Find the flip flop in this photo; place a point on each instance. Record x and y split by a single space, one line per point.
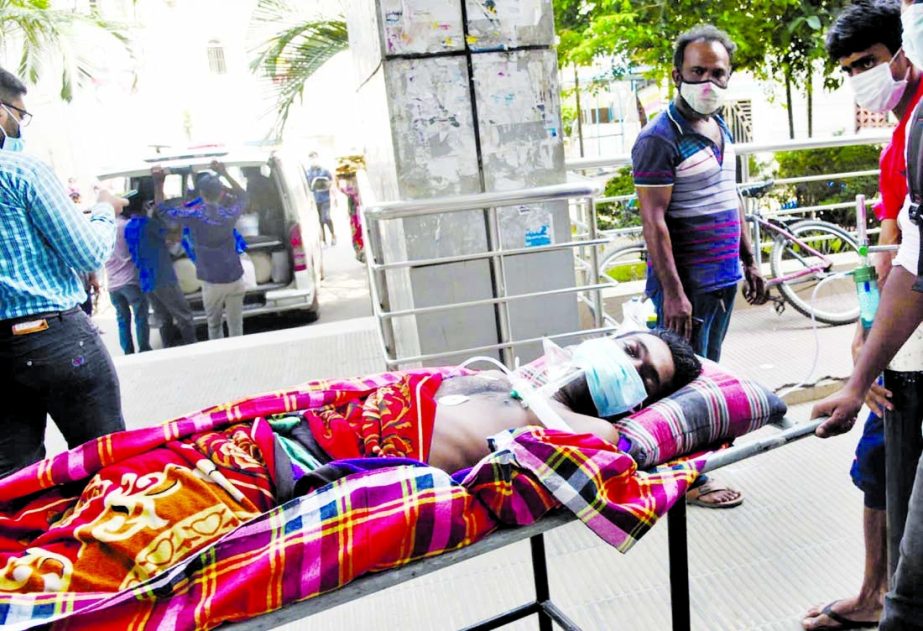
844 623
707 489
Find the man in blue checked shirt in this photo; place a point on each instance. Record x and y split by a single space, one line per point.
52 361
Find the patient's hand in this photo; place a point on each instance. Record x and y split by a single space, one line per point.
842 408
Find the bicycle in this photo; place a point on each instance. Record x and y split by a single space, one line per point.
802 254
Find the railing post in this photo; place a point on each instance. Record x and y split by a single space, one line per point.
498 267
594 264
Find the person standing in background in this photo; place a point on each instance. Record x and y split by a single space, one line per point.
125 293
684 170
211 218
865 40
321 182
146 239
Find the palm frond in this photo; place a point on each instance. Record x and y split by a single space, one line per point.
290 56
60 40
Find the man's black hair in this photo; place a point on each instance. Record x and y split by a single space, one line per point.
863 24
10 86
686 365
705 32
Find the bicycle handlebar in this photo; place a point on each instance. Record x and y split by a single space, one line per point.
755 191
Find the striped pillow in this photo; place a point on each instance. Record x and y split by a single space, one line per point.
715 407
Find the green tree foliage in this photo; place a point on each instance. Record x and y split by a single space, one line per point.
777 39
772 35
828 160
46 39
622 214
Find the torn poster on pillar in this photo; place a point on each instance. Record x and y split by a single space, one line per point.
526 226
421 26
433 126
519 118
502 25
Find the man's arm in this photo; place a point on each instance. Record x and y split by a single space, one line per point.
222 170
899 314
890 235
583 424
755 288
176 212
83 245
677 310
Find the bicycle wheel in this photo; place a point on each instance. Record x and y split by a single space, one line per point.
624 264
833 303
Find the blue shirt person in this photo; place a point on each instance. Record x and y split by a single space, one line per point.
320 181
146 239
51 356
210 218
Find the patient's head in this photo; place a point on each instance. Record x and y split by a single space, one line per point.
665 361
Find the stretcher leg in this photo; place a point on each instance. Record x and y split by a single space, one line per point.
679 566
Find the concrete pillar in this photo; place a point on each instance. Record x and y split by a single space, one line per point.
461 96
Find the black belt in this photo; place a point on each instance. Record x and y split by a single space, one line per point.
7 325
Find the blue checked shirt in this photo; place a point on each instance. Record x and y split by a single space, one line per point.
45 239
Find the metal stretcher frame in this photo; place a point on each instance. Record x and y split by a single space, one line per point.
548 612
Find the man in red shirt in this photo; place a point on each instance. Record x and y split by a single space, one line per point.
865 40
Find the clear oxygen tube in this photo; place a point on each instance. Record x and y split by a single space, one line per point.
612 379
538 399
866 280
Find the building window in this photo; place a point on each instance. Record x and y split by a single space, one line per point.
216 62
739 117
871 120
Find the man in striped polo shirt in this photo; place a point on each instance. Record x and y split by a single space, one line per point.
685 174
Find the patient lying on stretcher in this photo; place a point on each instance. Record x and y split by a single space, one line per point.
446 420
124 508
469 409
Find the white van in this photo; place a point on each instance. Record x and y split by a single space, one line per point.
280 226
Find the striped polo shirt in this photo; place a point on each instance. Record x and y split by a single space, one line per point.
704 213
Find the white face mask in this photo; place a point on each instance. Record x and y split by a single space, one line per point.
876 90
912 24
704 97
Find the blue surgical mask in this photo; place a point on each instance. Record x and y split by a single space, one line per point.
12 144
614 383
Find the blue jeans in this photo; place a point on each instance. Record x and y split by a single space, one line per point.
129 299
868 467
64 371
714 309
904 603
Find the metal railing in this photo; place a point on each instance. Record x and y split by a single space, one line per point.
588 292
587 241
743 149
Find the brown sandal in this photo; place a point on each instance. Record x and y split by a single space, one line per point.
707 489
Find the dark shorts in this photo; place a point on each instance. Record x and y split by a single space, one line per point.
868 467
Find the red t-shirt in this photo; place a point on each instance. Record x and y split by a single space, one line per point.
892 182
